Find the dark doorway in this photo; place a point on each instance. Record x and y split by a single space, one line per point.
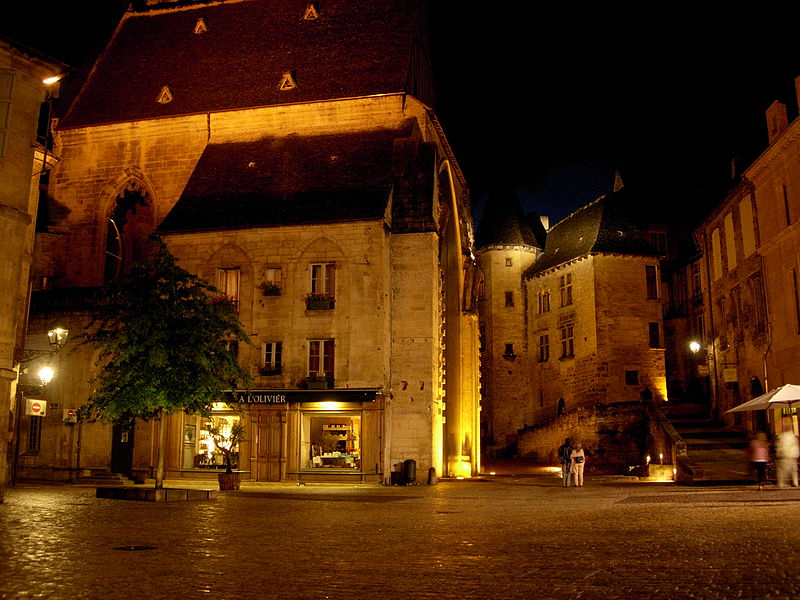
122 449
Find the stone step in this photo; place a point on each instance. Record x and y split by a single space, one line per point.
688 433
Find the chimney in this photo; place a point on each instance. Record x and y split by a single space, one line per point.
797 89
777 120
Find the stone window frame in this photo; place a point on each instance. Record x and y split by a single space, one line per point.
272 356
565 289
544 347
567 338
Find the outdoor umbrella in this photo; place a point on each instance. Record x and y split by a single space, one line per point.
788 394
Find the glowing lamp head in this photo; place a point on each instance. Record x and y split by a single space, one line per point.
45 375
694 346
52 79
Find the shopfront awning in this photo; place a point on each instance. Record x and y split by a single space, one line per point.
270 397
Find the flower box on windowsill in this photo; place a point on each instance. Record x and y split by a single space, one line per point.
266 371
319 302
270 289
319 383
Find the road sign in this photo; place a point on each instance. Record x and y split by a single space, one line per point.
35 407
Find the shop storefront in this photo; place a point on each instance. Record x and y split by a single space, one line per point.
291 435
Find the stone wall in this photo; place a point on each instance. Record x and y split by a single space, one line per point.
614 436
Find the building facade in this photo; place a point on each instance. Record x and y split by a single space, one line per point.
590 335
23 158
750 244
289 155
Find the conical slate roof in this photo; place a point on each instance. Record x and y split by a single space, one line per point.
503 222
607 225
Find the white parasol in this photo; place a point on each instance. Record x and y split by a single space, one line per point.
788 394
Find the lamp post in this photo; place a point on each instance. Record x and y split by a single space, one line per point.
57 338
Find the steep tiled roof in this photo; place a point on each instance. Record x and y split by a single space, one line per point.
503 223
607 225
287 181
355 48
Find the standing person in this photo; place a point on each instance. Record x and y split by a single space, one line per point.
759 455
788 449
578 460
564 455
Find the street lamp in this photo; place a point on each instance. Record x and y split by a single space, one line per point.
57 338
694 346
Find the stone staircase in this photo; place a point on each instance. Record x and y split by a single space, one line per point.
104 478
715 452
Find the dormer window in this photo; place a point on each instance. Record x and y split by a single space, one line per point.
288 82
311 13
200 26
165 95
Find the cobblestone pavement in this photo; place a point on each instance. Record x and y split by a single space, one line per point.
510 537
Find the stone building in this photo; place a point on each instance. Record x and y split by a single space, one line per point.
589 336
508 243
23 156
288 153
751 246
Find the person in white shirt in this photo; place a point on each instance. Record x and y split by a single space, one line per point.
578 460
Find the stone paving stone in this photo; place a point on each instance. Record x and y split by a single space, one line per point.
506 538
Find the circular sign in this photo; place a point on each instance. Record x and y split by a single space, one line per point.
36 408
70 413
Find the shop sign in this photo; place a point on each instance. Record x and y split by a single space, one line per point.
273 397
729 375
35 408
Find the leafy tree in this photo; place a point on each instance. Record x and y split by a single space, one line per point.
163 338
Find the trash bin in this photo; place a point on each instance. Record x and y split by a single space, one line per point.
410 470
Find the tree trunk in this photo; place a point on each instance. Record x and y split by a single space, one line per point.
162 444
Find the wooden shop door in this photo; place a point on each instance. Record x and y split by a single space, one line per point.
270 463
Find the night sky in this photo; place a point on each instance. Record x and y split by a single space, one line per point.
555 100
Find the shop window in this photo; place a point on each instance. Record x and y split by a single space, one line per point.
228 281
320 364
331 441
34 434
199 449
565 287
271 358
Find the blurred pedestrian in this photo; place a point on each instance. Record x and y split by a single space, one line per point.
787 451
565 456
578 460
759 456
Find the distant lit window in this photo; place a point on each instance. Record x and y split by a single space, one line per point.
320 359
228 281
